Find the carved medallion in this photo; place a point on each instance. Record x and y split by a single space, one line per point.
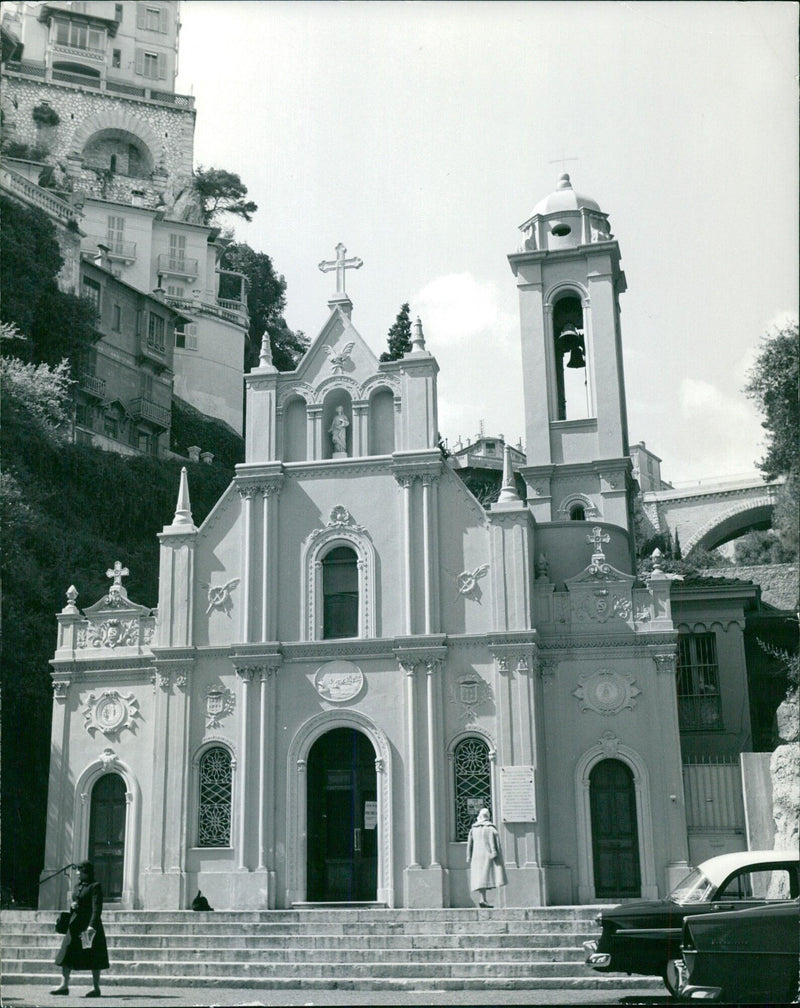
606 691
219 596
110 633
467 582
339 681
110 713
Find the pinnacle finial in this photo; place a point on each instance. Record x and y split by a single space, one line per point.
183 509
508 492
418 339
265 356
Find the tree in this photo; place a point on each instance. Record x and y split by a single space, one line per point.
773 384
266 301
221 191
57 324
399 336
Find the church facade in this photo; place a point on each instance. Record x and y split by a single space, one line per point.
350 656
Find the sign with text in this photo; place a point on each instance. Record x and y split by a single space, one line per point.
518 799
370 814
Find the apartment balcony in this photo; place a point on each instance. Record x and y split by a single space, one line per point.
177 266
222 308
32 193
150 412
119 251
93 386
84 53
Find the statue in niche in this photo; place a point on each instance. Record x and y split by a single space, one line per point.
338 432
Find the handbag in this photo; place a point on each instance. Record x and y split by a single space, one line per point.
62 922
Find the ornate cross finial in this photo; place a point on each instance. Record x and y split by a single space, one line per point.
340 264
597 538
117 572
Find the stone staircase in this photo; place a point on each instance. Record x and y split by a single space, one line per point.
315 949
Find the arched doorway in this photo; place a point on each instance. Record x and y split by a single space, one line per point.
107 834
342 818
615 836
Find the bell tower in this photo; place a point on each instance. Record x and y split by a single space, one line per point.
569 281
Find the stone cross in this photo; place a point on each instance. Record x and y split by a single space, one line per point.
117 572
340 264
597 538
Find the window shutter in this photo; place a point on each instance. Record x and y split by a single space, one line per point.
162 66
163 20
140 62
140 15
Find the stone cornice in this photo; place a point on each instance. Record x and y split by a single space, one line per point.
642 642
365 465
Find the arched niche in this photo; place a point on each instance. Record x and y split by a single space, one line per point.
570 349
381 422
123 152
295 439
335 398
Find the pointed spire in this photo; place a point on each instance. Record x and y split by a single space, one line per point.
417 340
183 509
508 491
265 356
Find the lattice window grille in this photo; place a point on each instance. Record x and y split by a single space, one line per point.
473 784
215 799
699 700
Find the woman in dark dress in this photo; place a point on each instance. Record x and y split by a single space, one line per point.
87 905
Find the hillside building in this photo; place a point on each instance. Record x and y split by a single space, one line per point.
90 113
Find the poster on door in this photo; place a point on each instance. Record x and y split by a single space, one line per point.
370 814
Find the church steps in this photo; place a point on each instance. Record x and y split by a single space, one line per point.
456 949
148 942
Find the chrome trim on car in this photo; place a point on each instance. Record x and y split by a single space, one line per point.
595 959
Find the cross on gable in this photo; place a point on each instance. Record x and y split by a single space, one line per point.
597 538
117 572
340 264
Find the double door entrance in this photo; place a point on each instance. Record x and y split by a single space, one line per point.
342 819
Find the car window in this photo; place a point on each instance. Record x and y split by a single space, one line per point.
695 888
757 883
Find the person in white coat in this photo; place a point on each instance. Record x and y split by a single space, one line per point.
484 857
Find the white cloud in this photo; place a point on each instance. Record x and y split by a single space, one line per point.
474 336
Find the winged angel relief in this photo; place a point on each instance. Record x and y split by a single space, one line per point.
219 596
338 360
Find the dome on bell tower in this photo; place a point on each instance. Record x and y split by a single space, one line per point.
565 219
564 197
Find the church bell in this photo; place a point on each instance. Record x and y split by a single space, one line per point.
571 341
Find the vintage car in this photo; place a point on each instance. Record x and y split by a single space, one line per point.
645 936
743 957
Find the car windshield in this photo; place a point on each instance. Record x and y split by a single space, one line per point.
695 888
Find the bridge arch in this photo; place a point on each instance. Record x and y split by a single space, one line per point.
755 513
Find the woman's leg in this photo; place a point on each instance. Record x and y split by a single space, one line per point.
95 982
64 988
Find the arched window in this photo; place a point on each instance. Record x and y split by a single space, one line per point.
340 593
473 783
577 513
214 826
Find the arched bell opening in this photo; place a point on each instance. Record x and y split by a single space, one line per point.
570 358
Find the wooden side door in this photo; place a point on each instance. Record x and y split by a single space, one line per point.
615 836
107 833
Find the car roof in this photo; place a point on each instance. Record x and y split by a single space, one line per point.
717 869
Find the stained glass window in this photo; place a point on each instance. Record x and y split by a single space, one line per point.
215 798
473 784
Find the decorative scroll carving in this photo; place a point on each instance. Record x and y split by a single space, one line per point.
110 713
110 633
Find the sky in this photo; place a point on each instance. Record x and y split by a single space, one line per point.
421 135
